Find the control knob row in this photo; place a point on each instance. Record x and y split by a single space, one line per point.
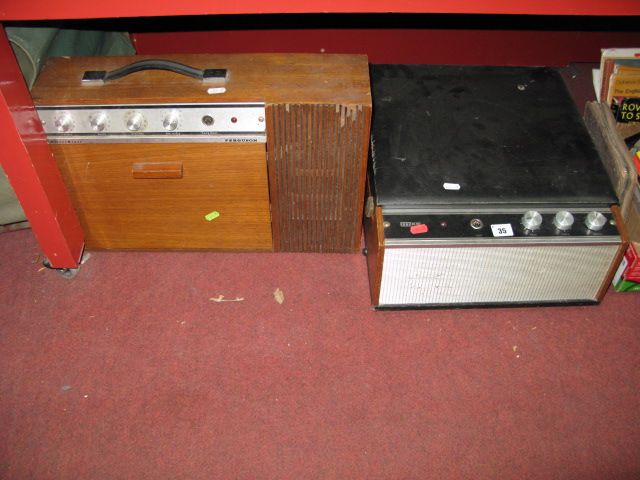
563 221
64 122
170 121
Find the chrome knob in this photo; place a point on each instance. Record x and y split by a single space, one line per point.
98 121
170 120
135 122
64 122
563 220
595 221
531 220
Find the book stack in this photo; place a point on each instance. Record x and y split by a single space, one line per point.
617 85
620 87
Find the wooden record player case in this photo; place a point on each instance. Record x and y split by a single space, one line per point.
268 154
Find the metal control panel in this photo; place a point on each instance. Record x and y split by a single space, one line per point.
229 122
529 224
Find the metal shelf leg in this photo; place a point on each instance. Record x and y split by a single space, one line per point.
28 162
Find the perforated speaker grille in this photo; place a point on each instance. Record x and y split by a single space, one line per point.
432 276
317 161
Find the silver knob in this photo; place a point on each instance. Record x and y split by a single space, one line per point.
531 220
171 120
64 122
135 122
563 220
98 121
595 221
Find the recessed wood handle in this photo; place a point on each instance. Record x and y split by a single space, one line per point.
157 170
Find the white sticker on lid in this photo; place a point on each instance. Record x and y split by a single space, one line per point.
502 230
451 186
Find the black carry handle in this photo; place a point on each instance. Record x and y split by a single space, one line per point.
102 76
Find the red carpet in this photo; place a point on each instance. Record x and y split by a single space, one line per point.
130 371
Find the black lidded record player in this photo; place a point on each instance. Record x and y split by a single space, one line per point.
486 189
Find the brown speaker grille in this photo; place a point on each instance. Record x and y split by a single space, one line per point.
317 163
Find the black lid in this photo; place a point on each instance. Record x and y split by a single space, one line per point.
504 135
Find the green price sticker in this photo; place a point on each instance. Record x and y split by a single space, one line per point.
211 216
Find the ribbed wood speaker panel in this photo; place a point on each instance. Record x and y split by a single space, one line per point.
317 163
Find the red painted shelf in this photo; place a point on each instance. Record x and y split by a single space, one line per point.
46 10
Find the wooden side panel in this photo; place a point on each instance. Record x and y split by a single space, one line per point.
374 241
613 152
624 236
317 163
119 211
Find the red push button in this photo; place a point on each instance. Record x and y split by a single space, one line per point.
420 228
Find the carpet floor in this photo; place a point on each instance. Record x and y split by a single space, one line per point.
134 369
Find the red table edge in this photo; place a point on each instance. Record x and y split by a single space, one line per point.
47 10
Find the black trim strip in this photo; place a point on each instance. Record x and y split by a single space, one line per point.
558 303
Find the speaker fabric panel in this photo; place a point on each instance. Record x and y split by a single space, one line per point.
440 276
